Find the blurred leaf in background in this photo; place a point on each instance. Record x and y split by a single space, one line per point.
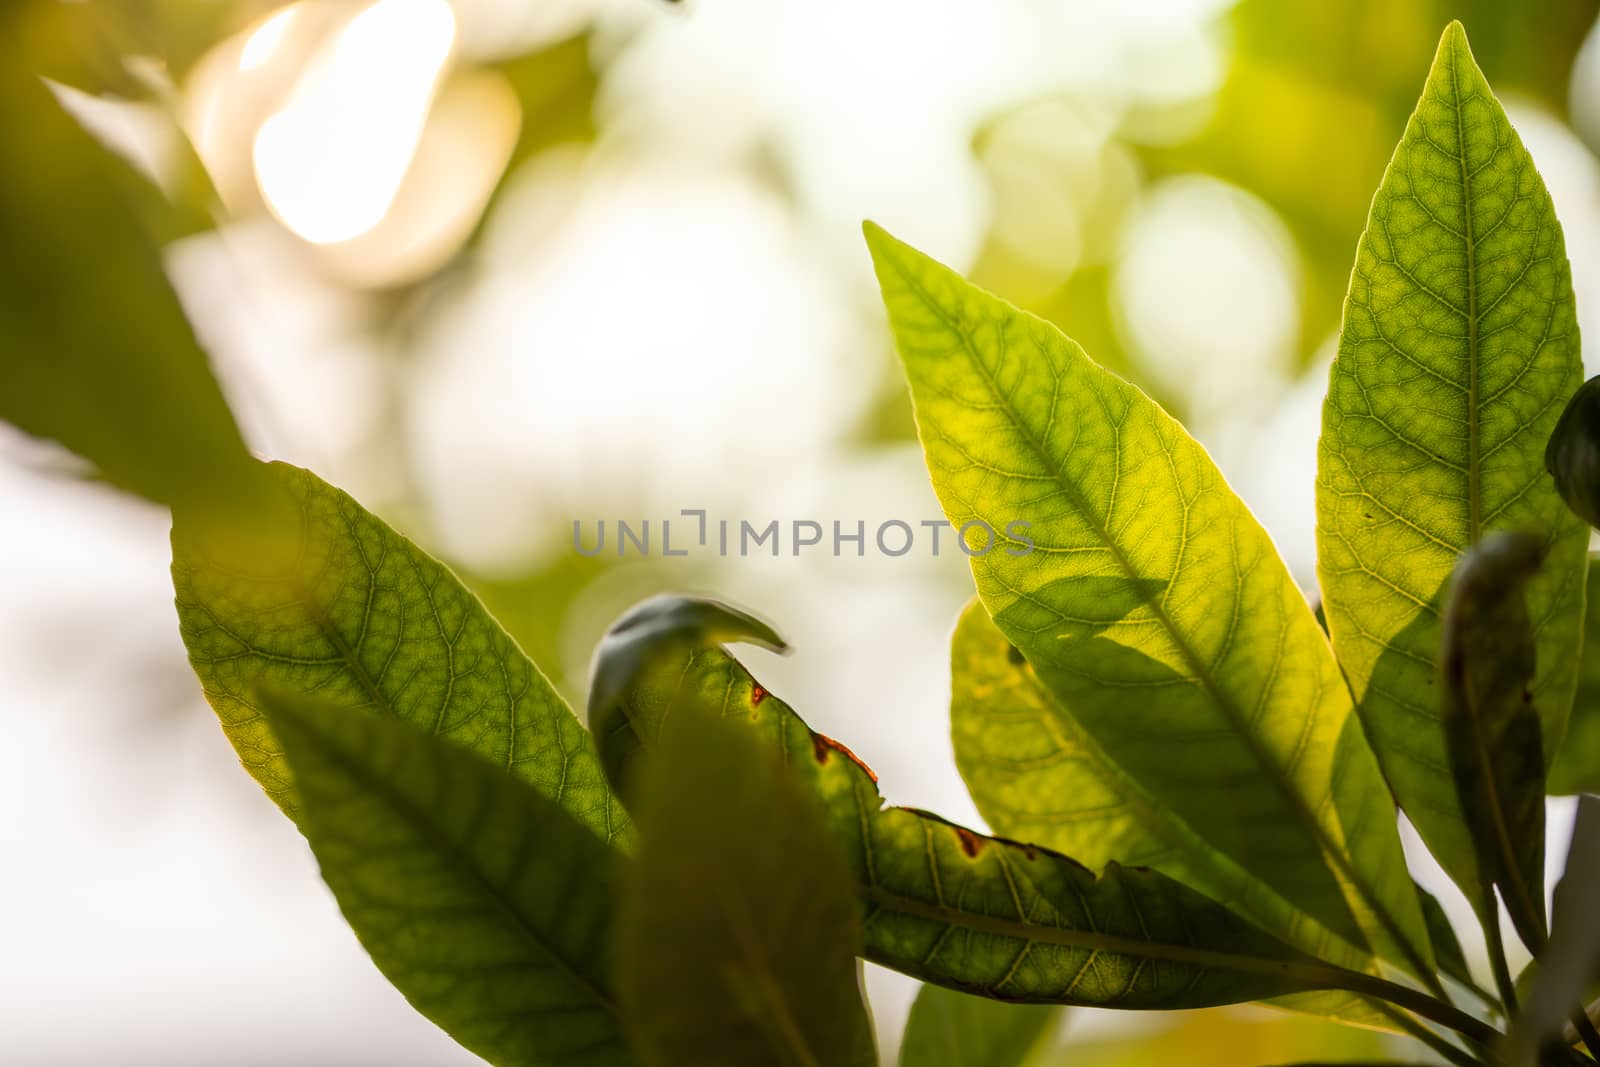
1305 119
94 336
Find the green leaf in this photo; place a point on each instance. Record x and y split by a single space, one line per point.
98 353
483 901
1036 775
1151 603
737 925
326 599
1487 666
1459 349
945 904
948 1028
1576 768
1568 971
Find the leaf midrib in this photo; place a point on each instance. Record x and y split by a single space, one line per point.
1180 641
1474 434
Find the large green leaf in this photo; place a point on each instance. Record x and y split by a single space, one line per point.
1458 351
1151 603
95 343
1576 768
1487 665
483 901
1037 775
325 598
737 924
945 904
948 1028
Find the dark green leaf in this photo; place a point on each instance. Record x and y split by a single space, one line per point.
1459 348
98 353
945 904
622 654
737 924
948 1028
1576 768
1151 602
1572 455
1570 968
483 901
329 600
1487 664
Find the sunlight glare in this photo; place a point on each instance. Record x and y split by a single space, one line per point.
330 162
268 37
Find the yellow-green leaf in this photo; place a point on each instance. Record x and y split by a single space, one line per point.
1036 775
323 598
483 901
1458 352
1151 603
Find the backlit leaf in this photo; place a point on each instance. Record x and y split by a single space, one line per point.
97 352
482 900
328 600
1151 603
1458 352
1037 776
737 923
1487 665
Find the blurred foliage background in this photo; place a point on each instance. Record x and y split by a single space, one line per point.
497 266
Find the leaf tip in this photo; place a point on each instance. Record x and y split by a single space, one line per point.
884 246
1453 47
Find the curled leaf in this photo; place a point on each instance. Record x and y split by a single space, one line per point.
1572 455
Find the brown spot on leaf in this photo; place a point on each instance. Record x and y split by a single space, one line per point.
757 695
822 747
971 843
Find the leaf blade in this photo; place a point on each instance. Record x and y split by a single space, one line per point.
1496 755
478 897
737 923
1187 605
324 598
1036 775
1576 768
1458 350
86 363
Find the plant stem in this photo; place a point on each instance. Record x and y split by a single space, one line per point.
1441 1046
